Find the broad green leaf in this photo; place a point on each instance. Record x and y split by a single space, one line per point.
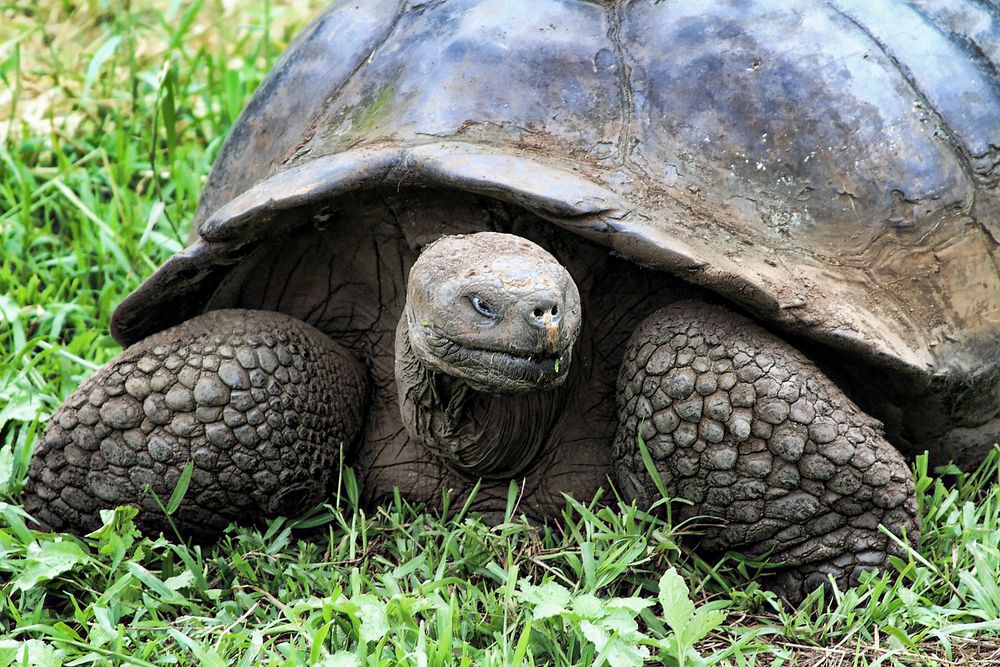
900 636
6 470
47 560
550 599
703 622
374 621
620 653
180 581
29 653
633 604
20 401
595 635
620 621
117 534
15 517
589 606
613 649
677 606
104 630
118 521
152 582
339 659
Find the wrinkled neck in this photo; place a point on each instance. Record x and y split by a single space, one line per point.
488 435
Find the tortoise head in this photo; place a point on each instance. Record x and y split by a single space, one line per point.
494 310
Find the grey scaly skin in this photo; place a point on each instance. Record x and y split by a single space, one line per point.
260 402
764 446
737 422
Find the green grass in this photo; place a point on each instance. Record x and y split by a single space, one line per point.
110 115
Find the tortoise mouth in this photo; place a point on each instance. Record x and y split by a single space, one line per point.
542 371
492 370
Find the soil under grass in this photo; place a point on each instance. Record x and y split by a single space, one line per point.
111 113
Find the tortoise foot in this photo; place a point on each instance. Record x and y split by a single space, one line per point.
860 550
780 462
260 402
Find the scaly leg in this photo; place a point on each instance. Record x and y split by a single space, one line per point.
260 402
755 436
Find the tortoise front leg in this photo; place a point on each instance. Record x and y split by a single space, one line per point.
755 436
261 403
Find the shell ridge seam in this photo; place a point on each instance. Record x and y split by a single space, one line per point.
624 79
955 145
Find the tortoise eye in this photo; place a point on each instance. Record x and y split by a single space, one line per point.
482 307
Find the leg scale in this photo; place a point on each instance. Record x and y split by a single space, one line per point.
763 444
260 402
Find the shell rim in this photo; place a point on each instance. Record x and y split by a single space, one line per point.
560 194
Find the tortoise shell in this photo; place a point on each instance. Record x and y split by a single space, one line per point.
830 168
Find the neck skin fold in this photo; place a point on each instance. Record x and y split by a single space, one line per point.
494 436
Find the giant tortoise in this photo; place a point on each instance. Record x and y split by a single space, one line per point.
745 250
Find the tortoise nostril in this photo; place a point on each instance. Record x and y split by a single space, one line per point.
543 310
